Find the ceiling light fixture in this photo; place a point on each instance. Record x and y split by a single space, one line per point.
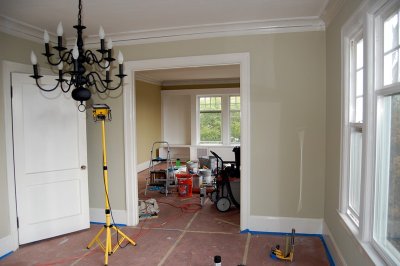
78 68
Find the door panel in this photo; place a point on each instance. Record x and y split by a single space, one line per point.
49 148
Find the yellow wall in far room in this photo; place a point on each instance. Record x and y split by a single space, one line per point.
148 118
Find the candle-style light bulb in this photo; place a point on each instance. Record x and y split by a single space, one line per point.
120 58
101 33
46 37
75 52
33 58
60 29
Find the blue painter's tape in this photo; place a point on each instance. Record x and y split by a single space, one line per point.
119 225
6 255
328 254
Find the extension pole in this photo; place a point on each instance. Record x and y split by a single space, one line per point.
107 248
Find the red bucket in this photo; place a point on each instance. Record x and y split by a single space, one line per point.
185 185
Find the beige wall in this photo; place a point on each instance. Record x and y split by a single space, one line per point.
287 95
343 238
148 118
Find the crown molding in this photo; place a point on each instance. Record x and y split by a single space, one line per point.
331 10
26 31
200 82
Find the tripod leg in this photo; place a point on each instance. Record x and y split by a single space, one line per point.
124 236
95 238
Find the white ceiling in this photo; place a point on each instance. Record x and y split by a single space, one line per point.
144 20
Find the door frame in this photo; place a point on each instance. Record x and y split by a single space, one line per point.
243 59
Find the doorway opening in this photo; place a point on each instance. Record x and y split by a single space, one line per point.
133 68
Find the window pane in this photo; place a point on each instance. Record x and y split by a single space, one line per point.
355 171
210 103
234 102
234 119
387 214
391 31
360 59
359 109
391 68
359 83
235 127
211 127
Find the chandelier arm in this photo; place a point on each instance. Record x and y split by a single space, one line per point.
47 90
69 86
91 59
69 57
119 85
93 78
51 63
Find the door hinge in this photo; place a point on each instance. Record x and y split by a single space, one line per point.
17 222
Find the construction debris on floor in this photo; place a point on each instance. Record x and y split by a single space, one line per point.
148 209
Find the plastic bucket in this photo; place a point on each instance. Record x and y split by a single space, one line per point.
192 167
185 185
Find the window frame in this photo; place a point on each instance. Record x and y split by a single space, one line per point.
225 113
369 19
200 142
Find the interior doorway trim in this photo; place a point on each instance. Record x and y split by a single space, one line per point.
243 59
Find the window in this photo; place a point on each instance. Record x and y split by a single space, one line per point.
386 232
370 192
210 119
219 119
234 119
355 128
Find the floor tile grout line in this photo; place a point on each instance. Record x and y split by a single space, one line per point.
246 249
188 231
178 240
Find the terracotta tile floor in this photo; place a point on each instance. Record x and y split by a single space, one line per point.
182 234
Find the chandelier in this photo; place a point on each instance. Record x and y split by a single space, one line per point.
79 68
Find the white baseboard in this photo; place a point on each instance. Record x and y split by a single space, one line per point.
332 246
8 244
98 216
142 166
285 224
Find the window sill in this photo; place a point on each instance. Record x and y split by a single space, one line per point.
217 145
364 247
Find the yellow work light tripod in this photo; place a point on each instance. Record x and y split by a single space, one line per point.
101 112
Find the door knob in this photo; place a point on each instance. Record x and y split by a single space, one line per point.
83 167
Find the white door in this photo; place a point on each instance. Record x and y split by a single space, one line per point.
50 161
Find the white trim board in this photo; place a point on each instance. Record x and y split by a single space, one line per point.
7 244
332 246
8 68
285 224
243 59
